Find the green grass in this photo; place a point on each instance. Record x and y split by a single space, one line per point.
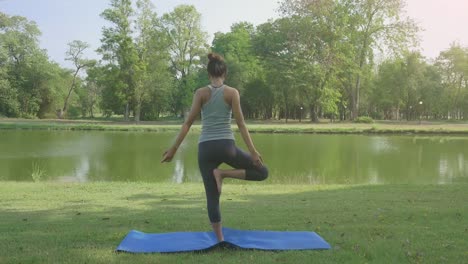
254 127
83 223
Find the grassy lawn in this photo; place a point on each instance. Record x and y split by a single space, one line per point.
83 223
255 127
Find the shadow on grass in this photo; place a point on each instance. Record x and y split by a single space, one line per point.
381 224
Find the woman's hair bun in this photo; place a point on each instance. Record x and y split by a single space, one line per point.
215 57
216 66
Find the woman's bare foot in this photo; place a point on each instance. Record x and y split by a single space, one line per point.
219 179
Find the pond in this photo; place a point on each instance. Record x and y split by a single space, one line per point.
83 156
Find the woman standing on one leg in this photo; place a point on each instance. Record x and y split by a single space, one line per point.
217 103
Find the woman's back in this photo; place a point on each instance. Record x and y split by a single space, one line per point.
216 116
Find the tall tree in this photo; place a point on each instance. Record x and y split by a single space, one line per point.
236 47
245 70
387 92
91 95
146 18
370 25
380 24
275 49
75 55
433 93
453 65
154 76
28 78
9 105
187 44
119 51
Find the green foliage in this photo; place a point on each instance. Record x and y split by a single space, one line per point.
236 47
453 67
74 112
118 49
316 61
187 45
257 100
364 120
9 104
329 100
29 82
75 54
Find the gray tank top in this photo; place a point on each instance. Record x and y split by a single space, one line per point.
216 117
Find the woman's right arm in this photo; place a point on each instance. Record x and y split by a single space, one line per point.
239 117
194 112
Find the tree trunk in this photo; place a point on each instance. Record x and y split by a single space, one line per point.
127 112
314 114
286 105
355 97
354 109
137 112
397 112
356 92
65 104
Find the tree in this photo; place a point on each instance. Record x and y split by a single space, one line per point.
364 26
412 77
236 47
19 42
323 50
273 46
433 93
328 102
9 105
91 94
379 25
453 65
119 51
27 79
187 44
387 92
244 66
154 78
75 55
402 83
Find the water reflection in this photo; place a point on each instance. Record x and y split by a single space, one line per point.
298 159
451 169
178 175
381 144
78 174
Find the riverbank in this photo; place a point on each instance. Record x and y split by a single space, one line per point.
254 127
83 223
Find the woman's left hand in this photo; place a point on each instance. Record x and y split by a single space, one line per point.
257 159
168 155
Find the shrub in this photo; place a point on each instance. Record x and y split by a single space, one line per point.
364 119
73 112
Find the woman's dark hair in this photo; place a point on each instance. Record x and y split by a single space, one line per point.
216 66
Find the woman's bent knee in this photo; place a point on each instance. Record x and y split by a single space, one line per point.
263 173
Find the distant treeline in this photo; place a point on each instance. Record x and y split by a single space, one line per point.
337 59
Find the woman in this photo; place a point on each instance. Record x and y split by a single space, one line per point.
217 103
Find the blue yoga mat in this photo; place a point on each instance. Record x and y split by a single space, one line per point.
139 242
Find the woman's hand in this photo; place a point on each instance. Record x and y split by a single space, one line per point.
168 155
257 159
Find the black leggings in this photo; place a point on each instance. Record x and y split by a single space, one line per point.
210 155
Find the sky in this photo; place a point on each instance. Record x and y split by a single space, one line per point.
62 21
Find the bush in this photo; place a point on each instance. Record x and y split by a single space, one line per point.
73 112
364 119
